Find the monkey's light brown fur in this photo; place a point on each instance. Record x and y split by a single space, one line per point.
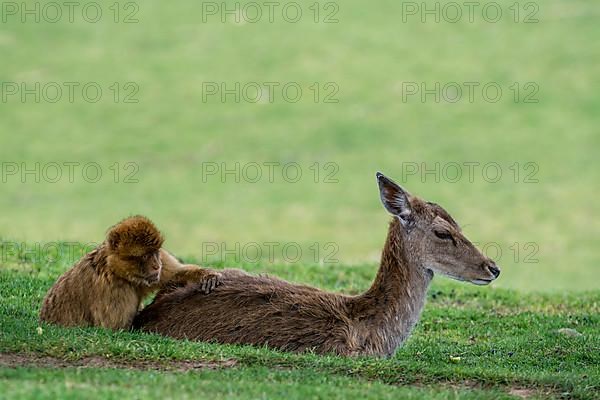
262 310
106 287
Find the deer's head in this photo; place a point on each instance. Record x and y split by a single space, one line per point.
432 239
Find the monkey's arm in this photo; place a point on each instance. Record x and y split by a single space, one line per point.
175 274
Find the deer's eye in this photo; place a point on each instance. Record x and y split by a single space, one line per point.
443 235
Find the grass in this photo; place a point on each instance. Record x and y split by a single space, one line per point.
471 342
254 383
171 132
492 342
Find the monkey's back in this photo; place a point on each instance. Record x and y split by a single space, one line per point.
89 295
67 303
257 310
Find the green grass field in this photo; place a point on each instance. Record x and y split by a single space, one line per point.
170 133
472 342
538 219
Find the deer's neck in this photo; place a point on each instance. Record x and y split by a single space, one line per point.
389 310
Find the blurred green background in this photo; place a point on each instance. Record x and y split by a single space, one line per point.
171 135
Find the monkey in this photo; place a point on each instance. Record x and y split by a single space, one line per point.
107 286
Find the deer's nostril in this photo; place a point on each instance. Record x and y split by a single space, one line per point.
494 270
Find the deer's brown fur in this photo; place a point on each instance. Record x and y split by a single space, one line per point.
264 310
106 287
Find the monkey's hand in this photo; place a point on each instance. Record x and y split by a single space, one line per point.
210 281
205 279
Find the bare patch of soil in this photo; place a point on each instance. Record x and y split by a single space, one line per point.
13 360
522 392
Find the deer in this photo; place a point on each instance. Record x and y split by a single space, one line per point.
423 240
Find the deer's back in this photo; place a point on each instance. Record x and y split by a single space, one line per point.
257 310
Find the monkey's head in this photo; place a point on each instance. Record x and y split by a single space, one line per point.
134 250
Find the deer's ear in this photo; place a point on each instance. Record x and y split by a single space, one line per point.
394 198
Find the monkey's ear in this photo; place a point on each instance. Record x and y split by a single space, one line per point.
113 239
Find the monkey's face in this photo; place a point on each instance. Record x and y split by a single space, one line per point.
133 246
146 268
140 269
